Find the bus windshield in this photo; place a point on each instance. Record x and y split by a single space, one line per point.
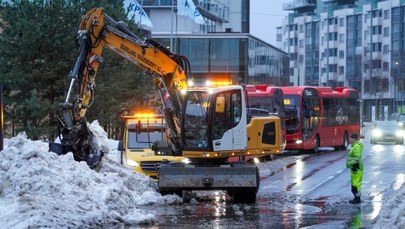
292 113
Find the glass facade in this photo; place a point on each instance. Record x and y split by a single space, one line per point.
211 55
243 59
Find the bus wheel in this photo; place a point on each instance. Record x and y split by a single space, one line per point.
345 143
316 145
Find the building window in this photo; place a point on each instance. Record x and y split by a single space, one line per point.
376 64
341 22
341 70
386 49
377 29
300 59
366 66
386 66
341 38
333 68
341 54
386 31
301 29
301 43
377 13
376 47
333 52
333 36
386 14
366 17
333 21
293 41
293 56
366 33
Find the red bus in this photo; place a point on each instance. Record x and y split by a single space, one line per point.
320 117
266 99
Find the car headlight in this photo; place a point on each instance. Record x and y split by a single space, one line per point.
186 161
132 163
376 133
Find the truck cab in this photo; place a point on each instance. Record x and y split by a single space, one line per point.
141 131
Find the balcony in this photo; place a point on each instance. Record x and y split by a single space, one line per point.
297 4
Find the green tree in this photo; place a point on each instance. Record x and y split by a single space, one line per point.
37 46
120 85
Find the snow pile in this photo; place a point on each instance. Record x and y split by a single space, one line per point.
392 213
270 168
41 189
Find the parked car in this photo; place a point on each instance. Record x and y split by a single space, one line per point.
394 116
401 121
386 131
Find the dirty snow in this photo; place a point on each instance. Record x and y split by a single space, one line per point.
40 189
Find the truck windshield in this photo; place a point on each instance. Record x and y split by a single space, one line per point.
195 120
143 140
292 113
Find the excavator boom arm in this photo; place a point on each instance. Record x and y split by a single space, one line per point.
94 34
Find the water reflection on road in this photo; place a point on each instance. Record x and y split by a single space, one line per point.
279 210
310 192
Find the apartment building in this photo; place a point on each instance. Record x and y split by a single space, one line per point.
356 43
222 47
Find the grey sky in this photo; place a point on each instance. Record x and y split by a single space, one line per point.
265 16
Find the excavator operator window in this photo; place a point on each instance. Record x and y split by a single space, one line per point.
195 120
231 115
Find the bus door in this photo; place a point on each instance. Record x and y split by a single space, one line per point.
310 113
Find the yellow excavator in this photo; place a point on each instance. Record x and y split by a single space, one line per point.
205 124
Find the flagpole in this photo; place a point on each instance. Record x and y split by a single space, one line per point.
171 29
175 32
140 20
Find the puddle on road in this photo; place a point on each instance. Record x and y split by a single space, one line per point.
281 210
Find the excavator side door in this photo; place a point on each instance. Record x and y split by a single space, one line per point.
229 121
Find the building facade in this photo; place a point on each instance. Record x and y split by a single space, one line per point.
355 43
221 48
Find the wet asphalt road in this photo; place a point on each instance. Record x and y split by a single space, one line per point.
311 192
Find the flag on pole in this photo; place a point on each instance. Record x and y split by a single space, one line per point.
136 12
187 8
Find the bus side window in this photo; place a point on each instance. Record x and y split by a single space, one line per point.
306 110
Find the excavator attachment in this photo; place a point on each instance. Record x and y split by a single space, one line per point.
77 138
240 180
